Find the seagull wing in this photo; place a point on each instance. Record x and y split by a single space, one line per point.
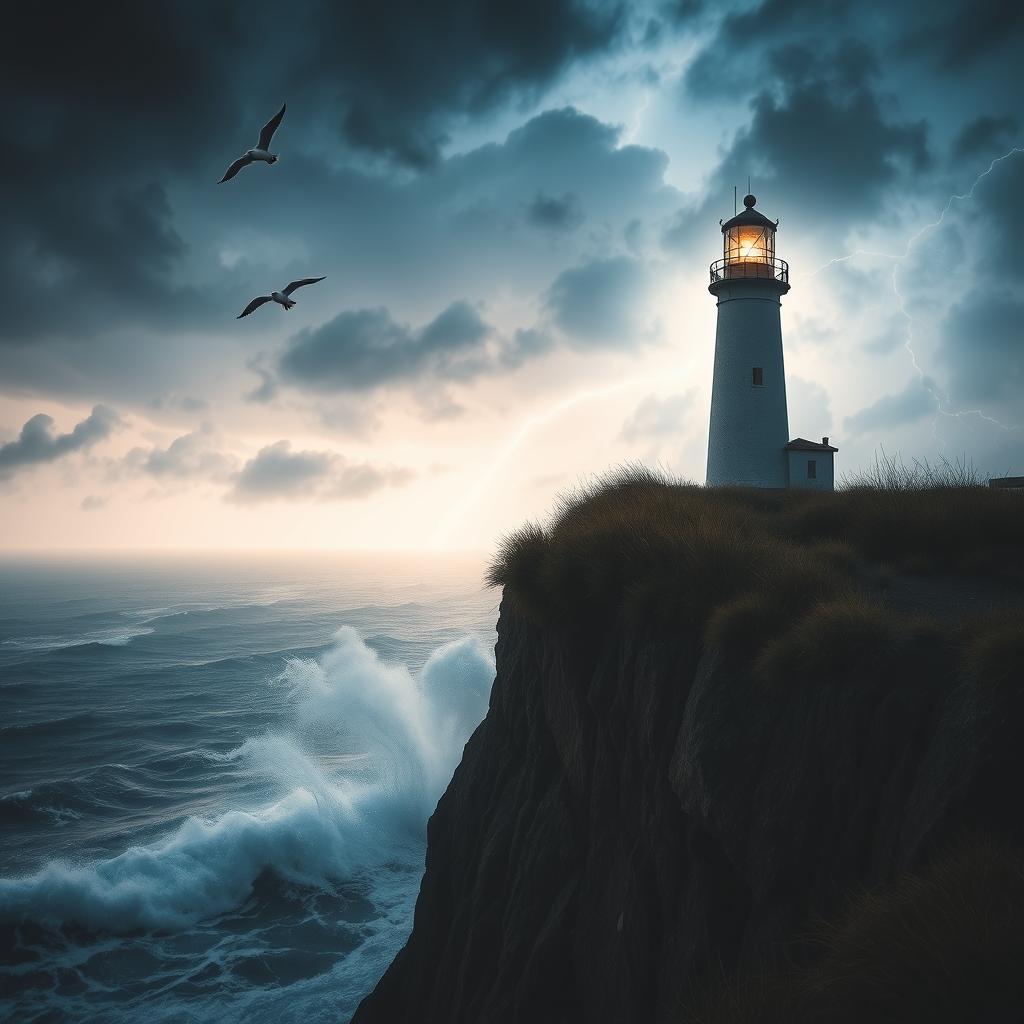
301 284
270 127
235 168
255 304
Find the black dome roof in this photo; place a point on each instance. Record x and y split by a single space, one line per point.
749 216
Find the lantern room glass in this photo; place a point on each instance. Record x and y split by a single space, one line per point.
749 246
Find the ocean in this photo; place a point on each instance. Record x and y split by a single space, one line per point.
216 772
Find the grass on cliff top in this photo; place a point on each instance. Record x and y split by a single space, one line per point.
637 543
942 945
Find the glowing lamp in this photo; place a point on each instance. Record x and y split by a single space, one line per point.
748 244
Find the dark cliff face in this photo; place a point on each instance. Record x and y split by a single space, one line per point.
718 716
635 817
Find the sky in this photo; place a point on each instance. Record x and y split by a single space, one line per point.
514 205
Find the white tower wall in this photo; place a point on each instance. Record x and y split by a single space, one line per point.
749 422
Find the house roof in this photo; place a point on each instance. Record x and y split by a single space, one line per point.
801 444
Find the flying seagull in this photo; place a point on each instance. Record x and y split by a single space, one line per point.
261 151
280 297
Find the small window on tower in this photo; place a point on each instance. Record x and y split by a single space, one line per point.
758 376
812 469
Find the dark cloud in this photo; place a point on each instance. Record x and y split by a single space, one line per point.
823 145
916 401
107 100
93 503
954 35
960 33
85 261
276 472
737 58
983 135
596 304
122 119
845 101
404 69
554 213
363 349
38 443
1000 201
600 303
980 336
831 145
982 347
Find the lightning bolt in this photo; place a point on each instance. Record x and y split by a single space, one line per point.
941 399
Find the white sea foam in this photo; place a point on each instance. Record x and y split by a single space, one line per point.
400 739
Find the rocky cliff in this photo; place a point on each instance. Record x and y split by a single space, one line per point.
674 781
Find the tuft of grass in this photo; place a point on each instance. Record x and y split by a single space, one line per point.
994 654
836 639
940 946
943 945
635 543
932 529
891 473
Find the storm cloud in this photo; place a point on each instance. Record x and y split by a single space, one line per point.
983 349
601 302
497 193
914 402
39 443
277 472
555 213
404 69
363 349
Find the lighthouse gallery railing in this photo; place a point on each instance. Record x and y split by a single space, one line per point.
729 269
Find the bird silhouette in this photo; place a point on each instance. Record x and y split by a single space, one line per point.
281 298
261 151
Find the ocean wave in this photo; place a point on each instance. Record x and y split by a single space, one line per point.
183 608
115 636
395 739
50 727
28 804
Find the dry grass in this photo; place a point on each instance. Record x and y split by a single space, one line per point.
787 583
942 946
637 543
945 945
994 654
891 473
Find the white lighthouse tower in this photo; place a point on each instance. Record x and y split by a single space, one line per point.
748 441
749 422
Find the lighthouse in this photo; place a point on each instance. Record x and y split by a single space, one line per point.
748 439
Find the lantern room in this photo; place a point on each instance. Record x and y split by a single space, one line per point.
748 247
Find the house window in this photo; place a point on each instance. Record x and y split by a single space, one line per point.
758 376
812 469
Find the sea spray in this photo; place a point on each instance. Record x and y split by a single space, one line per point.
396 741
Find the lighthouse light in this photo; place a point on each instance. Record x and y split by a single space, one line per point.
749 245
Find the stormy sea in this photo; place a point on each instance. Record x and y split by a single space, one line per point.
216 772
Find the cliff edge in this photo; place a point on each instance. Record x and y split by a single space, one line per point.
731 733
